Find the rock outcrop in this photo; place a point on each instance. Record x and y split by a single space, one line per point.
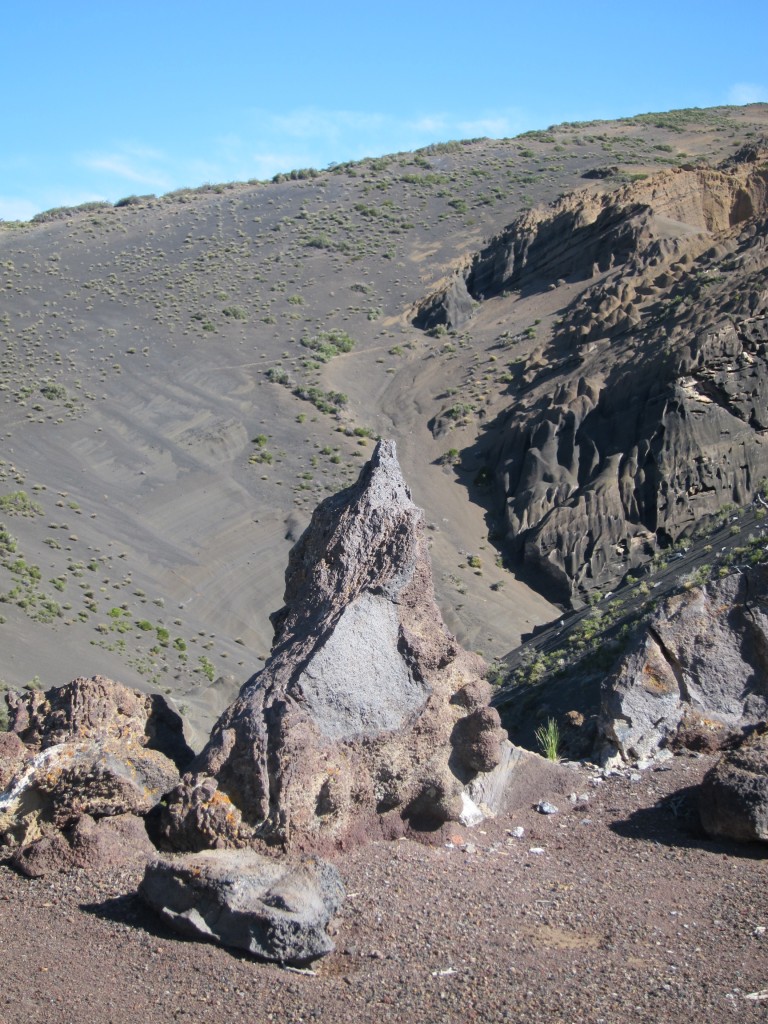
275 909
733 796
76 755
367 715
647 408
697 671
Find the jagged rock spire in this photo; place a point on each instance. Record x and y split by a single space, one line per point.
367 714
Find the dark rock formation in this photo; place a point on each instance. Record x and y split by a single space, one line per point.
647 409
367 713
733 797
699 668
89 750
275 909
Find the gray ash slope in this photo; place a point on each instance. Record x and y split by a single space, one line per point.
171 432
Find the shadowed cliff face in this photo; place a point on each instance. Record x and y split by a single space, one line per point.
647 408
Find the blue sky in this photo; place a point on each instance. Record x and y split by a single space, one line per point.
104 99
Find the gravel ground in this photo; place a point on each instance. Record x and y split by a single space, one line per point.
614 909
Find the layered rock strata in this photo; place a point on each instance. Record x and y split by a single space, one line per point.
646 408
367 715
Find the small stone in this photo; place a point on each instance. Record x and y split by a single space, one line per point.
517 832
545 807
536 849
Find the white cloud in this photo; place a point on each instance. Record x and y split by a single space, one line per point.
133 164
496 127
312 123
747 92
12 208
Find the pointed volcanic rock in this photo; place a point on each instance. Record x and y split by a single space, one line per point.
367 714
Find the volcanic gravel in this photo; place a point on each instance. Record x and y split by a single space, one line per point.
613 909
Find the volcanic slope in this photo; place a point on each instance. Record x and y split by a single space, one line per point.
184 377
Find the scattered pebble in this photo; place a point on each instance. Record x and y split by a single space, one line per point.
545 807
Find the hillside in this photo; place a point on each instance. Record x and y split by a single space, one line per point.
184 377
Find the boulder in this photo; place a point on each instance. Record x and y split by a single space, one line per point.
275 909
733 796
698 668
91 749
90 844
367 714
98 707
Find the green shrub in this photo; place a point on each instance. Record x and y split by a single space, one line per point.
235 312
548 738
328 344
19 503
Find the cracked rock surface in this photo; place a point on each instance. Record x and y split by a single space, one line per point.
699 665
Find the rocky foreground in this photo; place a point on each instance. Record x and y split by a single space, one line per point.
625 913
464 878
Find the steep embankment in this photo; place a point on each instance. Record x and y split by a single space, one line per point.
646 408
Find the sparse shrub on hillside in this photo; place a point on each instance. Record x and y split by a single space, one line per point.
278 375
207 668
235 312
459 205
134 200
328 344
19 503
63 212
324 401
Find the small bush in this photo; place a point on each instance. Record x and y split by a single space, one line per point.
548 738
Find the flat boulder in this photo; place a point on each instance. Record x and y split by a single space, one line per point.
275 909
733 796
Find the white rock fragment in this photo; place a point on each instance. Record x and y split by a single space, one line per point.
470 813
545 807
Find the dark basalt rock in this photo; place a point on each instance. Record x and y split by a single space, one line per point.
274 909
733 797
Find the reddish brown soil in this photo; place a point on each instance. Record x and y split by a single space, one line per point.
627 915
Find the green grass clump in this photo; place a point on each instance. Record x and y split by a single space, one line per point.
328 344
548 738
19 503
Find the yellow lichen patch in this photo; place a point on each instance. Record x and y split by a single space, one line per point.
653 682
